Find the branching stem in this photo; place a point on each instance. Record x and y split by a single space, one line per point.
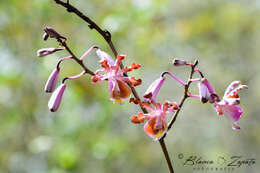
185 96
107 36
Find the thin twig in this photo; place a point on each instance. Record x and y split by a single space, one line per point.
185 96
107 36
64 44
91 24
104 33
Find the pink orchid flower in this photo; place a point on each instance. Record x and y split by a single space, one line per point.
117 82
229 104
156 125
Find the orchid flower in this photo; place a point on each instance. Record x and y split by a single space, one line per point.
156 125
117 82
229 104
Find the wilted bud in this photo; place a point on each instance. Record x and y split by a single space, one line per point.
178 62
52 81
56 98
45 36
47 51
51 32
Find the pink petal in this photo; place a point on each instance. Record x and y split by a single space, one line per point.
104 56
154 88
208 85
204 92
232 112
231 87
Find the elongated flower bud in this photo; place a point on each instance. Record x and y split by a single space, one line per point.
178 62
52 81
47 51
56 98
204 92
207 92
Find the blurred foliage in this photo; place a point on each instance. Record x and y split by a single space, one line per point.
89 133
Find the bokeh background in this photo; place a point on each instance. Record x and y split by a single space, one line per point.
91 134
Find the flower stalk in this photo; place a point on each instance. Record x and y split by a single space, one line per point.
121 86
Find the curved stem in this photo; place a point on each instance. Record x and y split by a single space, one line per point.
185 96
174 77
64 44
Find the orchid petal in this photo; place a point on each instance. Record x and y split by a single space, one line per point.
119 90
232 112
231 87
208 85
234 91
104 56
204 92
155 87
155 132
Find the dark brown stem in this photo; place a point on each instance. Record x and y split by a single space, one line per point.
185 96
91 24
64 44
107 36
165 152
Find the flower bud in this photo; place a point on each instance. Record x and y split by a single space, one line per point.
51 32
52 81
47 51
204 92
207 92
56 98
178 62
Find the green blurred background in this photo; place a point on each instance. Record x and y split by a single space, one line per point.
89 133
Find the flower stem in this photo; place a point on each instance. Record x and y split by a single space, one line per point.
185 96
107 36
166 155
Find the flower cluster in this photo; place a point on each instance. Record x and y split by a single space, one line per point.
156 125
118 82
121 86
